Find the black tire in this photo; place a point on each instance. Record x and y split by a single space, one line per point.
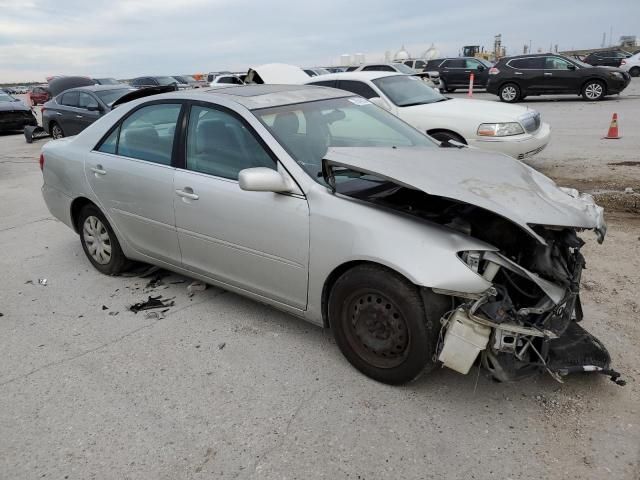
635 72
381 326
443 137
117 262
594 90
510 93
56 130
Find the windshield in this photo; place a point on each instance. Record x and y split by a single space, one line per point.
402 68
166 80
110 96
580 63
406 91
308 130
5 97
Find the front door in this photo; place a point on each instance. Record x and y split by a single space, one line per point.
257 241
132 176
560 77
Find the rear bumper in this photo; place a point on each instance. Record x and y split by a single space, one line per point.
17 124
517 146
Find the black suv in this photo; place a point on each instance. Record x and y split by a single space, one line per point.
455 72
513 78
609 58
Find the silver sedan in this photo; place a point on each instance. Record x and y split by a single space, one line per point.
319 203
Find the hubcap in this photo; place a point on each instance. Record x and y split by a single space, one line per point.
56 132
376 329
509 93
96 238
593 90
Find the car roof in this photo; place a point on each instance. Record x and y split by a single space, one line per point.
99 88
260 96
368 75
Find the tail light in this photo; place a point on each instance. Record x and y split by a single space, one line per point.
494 71
42 161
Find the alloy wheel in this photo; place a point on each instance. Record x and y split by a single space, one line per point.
96 238
56 132
509 93
593 91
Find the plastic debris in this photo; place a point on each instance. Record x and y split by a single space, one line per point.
42 281
196 286
104 307
221 346
151 303
113 314
628 190
156 315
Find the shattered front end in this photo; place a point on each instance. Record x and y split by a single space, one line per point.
528 320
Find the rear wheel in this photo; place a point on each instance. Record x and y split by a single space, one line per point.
99 242
56 131
509 93
634 72
381 326
593 90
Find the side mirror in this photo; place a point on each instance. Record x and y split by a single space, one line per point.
380 102
481 68
94 108
262 179
571 66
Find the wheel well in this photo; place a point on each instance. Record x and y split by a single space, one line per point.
76 207
444 130
337 273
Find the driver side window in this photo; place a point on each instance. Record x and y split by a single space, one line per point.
555 63
219 144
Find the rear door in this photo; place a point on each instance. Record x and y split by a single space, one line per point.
529 74
257 241
69 109
131 173
452 71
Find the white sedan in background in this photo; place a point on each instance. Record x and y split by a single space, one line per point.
511 129
631 65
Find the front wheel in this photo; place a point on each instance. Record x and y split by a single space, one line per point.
509 93
99 242
593 90
379 322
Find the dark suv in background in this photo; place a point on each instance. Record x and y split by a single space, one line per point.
513 78
609 58
455 72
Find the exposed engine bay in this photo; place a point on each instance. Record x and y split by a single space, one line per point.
528 320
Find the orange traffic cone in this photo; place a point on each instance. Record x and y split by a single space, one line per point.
613 128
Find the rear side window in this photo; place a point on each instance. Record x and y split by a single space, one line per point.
359 88
219 144
70 99
110 144
148 134
434 64
455 63
378 68
528 63
419 64
85 101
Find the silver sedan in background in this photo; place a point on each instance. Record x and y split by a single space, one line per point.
319 203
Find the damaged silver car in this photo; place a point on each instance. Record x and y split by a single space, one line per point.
323 205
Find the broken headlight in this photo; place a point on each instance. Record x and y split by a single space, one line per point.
476 262
500 129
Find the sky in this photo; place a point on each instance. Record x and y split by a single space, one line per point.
129 38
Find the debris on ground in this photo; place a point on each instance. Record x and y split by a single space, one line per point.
156 280
151 303
156 315
113 314
221 346
42 281
104 307
141 271
196 286
29 282
1 314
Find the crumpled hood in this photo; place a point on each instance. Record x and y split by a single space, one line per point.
495 182
481 110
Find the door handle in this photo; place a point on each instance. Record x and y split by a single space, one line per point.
548 74
59 114
518 73
187 193
78 116
98 170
